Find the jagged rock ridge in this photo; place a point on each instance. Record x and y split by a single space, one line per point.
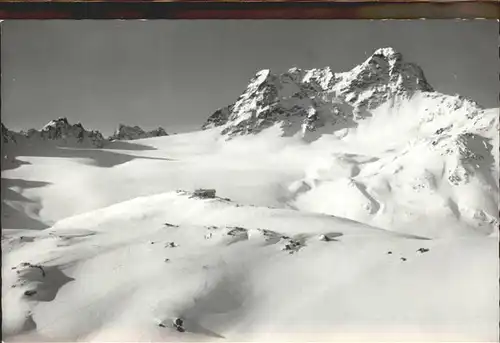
58 131
7 135
125 132
320 101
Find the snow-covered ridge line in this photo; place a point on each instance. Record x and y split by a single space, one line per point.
136 209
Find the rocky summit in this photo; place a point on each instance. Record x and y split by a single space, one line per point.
316 101
125 132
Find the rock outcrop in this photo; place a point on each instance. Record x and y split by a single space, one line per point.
125 132
58 132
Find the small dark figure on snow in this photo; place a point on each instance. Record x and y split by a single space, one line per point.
178 324
30 293
403 259
422 250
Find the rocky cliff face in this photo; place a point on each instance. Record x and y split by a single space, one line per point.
316 101
7 135
125 132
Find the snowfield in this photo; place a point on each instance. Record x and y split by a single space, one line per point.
111 274
383 230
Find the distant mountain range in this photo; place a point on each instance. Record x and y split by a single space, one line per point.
61 133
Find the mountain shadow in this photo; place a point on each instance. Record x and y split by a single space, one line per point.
14 217
124 145
103 158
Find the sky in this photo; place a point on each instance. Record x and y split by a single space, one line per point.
176 73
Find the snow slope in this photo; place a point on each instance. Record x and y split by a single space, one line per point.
111 275
105 247
384 230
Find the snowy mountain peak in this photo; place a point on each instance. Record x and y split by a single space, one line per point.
387 74
389 54
68 134
61 121
261 76
302 101
58 131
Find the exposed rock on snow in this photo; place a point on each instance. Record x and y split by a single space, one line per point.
125 132
218 118
236 231
324 238
292 245
7 135
171 245
204 193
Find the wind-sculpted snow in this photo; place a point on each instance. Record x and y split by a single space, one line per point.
129 271
393 183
